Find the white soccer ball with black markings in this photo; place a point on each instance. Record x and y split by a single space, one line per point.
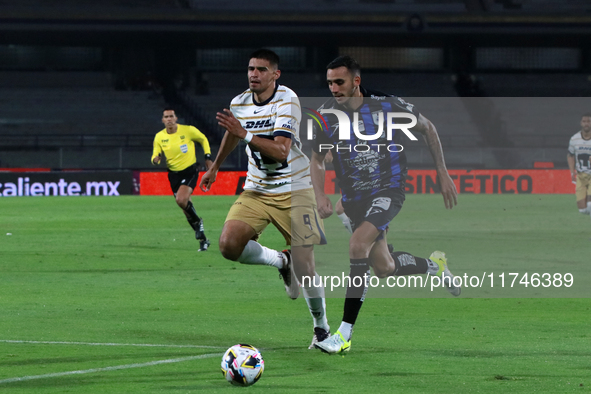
242 365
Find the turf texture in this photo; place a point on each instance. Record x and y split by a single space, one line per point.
109 295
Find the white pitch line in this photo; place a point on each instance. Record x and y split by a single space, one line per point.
110 344
114 368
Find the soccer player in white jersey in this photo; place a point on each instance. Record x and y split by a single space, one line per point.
579 164
278 187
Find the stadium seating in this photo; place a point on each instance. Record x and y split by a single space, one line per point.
411 6
541 122
45 112
538 112
79 112
538 6
91 3
534 85
411 84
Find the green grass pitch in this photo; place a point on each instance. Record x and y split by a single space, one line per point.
108 295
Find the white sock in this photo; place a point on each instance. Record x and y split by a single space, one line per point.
347 330
588 206
316 304
584 210
432 267
255 253
346 222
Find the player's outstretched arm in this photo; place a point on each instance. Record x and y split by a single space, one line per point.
317 171
429 132
229 143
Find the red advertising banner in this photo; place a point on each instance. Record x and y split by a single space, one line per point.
541 181
25 169
227 183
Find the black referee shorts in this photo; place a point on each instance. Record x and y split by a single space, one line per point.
378 209
188 177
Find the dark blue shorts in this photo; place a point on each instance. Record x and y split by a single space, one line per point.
378 209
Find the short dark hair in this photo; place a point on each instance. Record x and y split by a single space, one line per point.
168 108
266 54
586 115
345 61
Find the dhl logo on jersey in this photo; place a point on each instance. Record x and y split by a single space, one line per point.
259 124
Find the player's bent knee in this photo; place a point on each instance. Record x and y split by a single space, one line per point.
358 250
229 248
228 252
182 201
380 273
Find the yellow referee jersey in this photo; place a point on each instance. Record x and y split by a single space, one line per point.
179 148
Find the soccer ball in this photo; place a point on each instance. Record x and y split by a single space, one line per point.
242 365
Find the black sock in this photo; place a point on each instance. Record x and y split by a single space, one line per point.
407 264
356 289
192 217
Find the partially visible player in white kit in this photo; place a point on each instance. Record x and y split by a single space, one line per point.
278 187
579 164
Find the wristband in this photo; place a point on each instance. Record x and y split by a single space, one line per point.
248 137
208 157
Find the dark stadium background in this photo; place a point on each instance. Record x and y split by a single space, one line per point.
83 84
109 295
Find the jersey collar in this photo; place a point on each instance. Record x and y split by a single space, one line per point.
267 101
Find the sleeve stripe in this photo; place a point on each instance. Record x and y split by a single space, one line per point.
290 103
280 133
257 117
294 159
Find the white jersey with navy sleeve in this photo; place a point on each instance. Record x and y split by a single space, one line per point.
581 149
280 115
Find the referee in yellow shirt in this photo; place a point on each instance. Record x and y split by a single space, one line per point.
177 143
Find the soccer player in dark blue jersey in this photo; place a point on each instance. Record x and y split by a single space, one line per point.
371 168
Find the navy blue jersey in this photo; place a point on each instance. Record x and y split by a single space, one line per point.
366 170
